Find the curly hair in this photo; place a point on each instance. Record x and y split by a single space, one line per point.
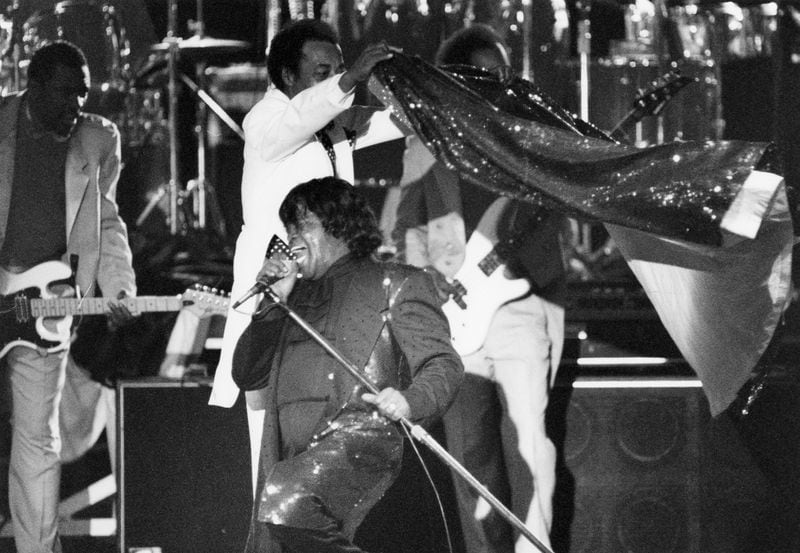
286 48
459 47
343 211
52 54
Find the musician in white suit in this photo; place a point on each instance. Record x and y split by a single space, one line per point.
58 176
305 127
496 425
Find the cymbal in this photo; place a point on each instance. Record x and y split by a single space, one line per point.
198 46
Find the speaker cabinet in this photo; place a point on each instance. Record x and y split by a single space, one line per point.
184 469
629 468
184 479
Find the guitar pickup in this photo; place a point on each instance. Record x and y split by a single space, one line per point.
458 293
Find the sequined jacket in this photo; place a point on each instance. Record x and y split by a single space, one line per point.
357 301
350 305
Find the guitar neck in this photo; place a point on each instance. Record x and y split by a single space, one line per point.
620 133
62 307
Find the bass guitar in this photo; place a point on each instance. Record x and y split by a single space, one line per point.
483 288
34 313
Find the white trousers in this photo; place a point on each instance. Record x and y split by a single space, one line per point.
36 383
506 447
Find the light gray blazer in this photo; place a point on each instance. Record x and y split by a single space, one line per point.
94 229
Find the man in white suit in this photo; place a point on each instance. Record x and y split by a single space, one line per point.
58 176
305 127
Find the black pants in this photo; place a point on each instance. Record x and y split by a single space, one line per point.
315 501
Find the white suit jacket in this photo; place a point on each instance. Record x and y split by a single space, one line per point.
281 152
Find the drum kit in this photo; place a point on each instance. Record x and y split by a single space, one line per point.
695 38
134 100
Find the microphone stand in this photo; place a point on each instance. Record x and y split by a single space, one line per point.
416 431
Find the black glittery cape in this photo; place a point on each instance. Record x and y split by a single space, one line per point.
510 138
720 296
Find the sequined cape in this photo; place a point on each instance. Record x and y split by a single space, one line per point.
704 226
509 137
356 303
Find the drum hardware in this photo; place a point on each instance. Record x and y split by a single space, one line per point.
580 230
274 20
641 31
527 38
13 51
151 205
300 9
172 93
198 49
95 29
237 87
209 101
584 41
199 46
152 74
201 188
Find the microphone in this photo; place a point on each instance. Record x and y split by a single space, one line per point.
257 288
276 245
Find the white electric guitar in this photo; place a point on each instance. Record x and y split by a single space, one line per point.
33 313
483 289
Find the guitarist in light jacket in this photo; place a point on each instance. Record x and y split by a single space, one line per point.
58 176
508 378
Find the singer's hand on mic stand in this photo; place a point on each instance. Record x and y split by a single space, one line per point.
285 270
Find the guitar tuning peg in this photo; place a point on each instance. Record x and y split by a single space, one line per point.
206 288
214 291
196 286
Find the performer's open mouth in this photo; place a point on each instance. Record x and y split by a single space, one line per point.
298 253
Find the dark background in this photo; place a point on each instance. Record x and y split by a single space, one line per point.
745 470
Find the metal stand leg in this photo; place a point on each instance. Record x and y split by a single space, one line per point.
204 202
172 66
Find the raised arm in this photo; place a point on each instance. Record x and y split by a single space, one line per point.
277 126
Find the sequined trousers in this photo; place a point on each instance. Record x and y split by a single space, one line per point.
316 500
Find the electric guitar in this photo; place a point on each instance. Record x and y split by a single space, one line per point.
33 314
651 102
482 288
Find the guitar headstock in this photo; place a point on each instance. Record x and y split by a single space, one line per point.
653 100
204 301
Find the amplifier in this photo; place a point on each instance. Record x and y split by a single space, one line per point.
184 469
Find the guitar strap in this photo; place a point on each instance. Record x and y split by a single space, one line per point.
489 224
325 139
500 221
73 266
